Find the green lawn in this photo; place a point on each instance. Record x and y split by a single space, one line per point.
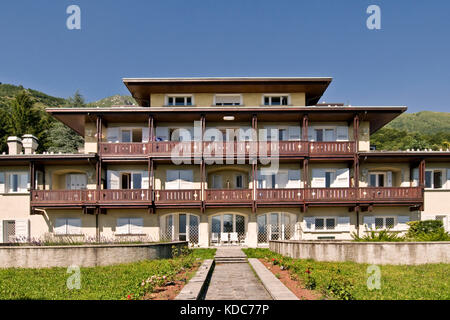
98 283
431 281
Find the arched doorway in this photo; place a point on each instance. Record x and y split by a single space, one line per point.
276 226
180 227
228 228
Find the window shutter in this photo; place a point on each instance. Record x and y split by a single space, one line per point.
186 179
318 178
294 133
389 178
145 134
293 179
342 133
2 187
416 177
369 221
144 182
310 133
1 231
197 131
113 180
113 134
22 230
60 226
343 224
122 226
172 180
309 223
448 179
136 225
281 180
162 134
23 183
402 222
74 226
342 178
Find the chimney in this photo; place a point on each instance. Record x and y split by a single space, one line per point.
14 145
30 143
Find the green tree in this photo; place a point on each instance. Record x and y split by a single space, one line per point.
22 118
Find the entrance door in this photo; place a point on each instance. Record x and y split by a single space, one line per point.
227 223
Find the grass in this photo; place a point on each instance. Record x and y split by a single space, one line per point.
97 283
348 280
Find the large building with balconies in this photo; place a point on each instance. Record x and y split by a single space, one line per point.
220 160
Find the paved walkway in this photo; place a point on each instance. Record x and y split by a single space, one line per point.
234 281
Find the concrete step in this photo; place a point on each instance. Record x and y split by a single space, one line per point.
231 260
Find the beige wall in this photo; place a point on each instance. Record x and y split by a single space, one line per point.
248 99
228 173
161 174
55 176
400 173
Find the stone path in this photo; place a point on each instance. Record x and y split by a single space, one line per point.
234 281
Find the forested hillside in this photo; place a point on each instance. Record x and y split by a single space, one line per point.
23 111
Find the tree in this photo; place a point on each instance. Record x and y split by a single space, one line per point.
22 118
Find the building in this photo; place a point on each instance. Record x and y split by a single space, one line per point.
213 160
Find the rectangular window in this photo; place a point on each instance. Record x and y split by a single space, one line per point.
179 101
384 222
129 226
319 224
228 100
239 182
319 135
331 223
18 182
126 180
326 223
377 180
275 100
433 179
328 179
67 226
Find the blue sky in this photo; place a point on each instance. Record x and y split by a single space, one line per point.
405 63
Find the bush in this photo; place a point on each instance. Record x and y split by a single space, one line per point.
427 230
340 287
378 236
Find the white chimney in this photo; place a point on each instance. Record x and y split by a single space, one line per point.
14 145
30 143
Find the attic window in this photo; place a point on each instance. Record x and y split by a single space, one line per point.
227 100
276 100
179 101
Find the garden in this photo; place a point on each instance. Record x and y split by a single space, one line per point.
150 279
311 279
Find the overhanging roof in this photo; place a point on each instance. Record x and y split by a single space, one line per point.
142 88
76 118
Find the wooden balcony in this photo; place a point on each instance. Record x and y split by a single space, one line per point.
280 195
177 197
124 149
125 196
215 149
228 196
63 197
133 197
333 148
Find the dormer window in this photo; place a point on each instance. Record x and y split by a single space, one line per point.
179 100
276 100
227 100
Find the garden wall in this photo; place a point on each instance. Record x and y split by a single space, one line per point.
406 253
83 255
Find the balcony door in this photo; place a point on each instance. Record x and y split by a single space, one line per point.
228 223
76 181
180 227
275 226
179 180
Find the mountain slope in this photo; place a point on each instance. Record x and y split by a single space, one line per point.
425 122
114 100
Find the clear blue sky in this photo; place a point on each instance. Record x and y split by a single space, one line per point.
407 62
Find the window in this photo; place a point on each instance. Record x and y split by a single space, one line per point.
18 182
433 179
76 181
377 180
131 135
67 226
325 134
131 180
329 178
239 182
276 100
227 100
325 224
129 226
179 100
384 222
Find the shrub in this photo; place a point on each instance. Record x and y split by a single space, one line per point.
340 287
310 282
427 230
379 236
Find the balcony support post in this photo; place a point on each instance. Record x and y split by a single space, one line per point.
99 132
305 173
305 122
422 173
356 132
202 184
254 170
356 172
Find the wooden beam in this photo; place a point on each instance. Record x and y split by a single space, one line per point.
305 124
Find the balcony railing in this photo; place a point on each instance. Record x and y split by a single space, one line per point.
125 195
66 197
388 195
231 149
177 196
228 195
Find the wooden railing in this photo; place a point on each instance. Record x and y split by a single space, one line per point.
308 195
387 194
279 195
125 195
176 148
177 196
331 148
64 196
228 195
123 149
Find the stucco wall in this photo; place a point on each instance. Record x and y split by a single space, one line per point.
399 253
83 256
